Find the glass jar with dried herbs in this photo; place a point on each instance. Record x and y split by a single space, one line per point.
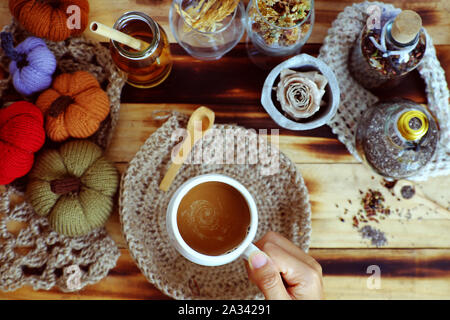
207 29
279 27
388 50
397 139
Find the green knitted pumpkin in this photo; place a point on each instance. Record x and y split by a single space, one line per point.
74 186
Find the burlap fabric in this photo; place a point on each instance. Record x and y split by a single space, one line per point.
279 191
355 99
48 255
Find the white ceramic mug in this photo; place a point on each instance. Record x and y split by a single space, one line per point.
244 249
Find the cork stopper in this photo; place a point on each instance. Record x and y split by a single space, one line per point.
406 26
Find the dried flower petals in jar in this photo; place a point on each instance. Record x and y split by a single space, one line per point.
279 24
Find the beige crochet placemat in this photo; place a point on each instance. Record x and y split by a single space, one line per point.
355 99
38 256
278 188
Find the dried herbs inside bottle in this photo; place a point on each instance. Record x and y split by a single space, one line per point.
374 65
389 140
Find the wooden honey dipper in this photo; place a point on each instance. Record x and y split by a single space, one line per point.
205 118
116 35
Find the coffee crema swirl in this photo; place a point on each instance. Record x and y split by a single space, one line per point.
206 220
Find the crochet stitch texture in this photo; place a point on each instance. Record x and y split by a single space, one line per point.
280 195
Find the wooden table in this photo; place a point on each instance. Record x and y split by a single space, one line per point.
415 264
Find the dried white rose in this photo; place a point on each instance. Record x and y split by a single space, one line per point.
300 93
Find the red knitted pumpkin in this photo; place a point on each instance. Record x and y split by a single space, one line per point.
21 135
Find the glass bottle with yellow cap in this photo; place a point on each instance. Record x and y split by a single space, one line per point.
397 138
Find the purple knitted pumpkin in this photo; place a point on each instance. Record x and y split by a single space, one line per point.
32 65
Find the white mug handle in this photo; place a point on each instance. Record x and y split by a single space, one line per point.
249 251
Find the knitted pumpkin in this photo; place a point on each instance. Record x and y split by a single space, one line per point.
74 187
74 107
32 66
21 135
54 20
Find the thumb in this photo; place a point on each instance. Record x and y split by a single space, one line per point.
263 272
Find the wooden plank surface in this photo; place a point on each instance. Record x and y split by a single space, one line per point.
345 277
238 81
334 182
410 225
137 124
435 14
415 264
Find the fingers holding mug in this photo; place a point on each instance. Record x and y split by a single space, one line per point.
283 271
265 274
292 249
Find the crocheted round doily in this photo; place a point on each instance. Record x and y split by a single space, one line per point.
49 259
278 188
42 258
355 99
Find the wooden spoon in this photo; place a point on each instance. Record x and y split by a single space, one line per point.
419 196
199 123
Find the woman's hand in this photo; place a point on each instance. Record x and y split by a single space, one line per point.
284 271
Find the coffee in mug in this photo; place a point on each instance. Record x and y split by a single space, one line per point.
213 218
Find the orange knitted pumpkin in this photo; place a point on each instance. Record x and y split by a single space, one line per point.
74 107
51 19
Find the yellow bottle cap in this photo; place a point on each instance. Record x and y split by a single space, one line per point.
413 130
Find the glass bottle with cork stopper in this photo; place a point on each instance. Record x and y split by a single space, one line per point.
397 139
149 66
388 50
